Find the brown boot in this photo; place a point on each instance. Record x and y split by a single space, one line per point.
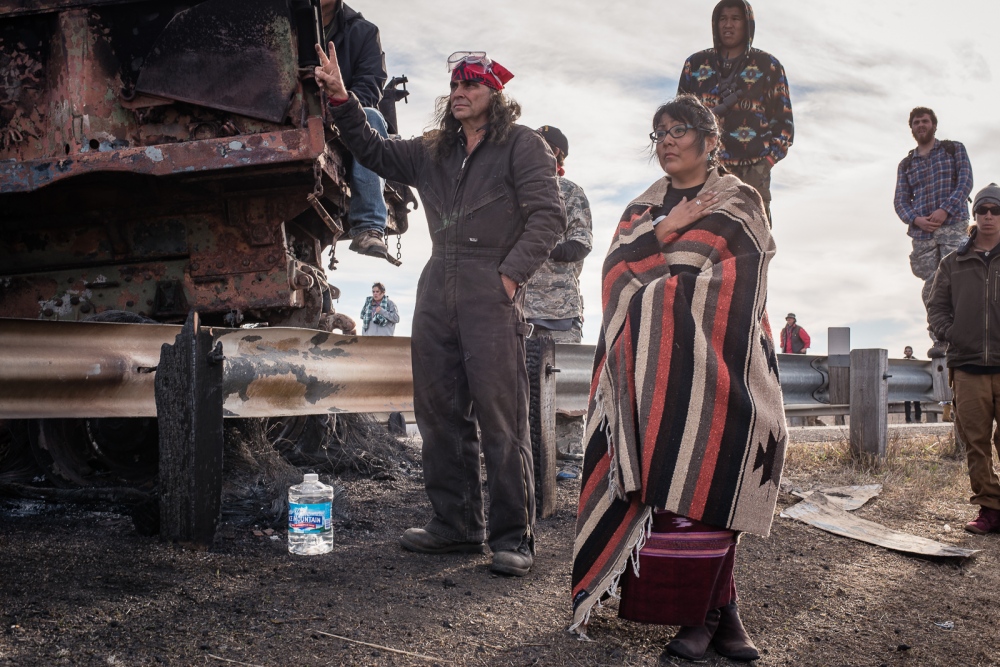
691 642
731 639
369 243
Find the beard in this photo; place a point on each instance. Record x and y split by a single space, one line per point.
921 137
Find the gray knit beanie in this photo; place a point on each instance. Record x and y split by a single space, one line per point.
988 195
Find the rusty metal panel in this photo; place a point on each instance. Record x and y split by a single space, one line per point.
233 55
269 149
10 8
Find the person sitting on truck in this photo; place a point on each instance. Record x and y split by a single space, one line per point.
362 63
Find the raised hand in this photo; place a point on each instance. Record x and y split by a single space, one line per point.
328 76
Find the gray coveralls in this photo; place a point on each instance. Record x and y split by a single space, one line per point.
497 211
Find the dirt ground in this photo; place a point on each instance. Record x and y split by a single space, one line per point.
80 587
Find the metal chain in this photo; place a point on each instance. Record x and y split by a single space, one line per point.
399 247
318 176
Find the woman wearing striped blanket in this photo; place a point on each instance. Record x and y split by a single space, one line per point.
685 427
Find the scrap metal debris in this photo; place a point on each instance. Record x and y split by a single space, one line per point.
848 498
821 511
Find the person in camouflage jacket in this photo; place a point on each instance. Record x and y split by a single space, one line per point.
748 91
553 302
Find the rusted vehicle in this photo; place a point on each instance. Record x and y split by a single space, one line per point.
159 157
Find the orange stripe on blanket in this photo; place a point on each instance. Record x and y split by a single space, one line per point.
609 549
593 482
659 399
722 383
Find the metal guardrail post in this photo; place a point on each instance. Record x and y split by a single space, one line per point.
188 390
869 402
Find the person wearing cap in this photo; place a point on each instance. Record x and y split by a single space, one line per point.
964 312
553 302
794 339
362 63
933 183
492 202
747 89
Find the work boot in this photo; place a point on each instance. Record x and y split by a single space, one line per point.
938 350
731 639
988 521
691 642
515 563
421 541
369 242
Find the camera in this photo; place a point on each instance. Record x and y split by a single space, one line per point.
729 100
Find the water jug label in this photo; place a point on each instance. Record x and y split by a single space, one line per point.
309 519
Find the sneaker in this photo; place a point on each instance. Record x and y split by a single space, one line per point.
988 521
514 563
369 243
937 351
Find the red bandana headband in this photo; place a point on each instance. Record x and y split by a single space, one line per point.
475 66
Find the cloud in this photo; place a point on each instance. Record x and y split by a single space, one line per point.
598 70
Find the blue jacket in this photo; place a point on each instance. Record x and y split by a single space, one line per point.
359 52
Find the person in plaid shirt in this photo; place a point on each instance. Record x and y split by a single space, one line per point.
933 183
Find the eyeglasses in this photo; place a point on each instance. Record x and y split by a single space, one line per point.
992 210
677 131
470 57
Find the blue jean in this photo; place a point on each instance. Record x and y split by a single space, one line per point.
367 203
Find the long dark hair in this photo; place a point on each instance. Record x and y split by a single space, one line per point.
441 141
689 110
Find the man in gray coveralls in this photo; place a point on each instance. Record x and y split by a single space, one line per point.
492 202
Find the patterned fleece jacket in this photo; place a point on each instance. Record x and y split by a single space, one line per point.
759 126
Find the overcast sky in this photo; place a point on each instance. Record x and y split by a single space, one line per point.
598 70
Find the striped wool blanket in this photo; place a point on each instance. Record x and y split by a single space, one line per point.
685 410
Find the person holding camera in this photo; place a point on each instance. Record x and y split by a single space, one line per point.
747 90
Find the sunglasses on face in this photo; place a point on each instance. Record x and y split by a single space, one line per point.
992 210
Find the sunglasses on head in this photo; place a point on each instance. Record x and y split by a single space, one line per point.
992 210
470 57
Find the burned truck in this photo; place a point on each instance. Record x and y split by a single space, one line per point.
163 157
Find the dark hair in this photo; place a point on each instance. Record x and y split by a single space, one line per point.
502 114
923 111
380 286
689 110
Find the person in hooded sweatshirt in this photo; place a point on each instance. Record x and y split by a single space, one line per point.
747 89
359 51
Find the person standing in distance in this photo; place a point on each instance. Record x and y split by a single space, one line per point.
907 405
964 312
747 89
794 339
492 203
379 315
933 183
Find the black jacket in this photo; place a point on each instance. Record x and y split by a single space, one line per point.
964 308
501 202
359 50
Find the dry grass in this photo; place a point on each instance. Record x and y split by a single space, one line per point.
917 466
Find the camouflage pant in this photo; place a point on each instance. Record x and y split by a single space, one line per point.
574 335
928 253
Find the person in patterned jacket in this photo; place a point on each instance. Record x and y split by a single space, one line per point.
552 300
747 89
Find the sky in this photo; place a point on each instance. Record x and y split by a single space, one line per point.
598 70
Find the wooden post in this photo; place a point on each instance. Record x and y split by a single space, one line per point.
188 390
839 365
541 361
869 403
